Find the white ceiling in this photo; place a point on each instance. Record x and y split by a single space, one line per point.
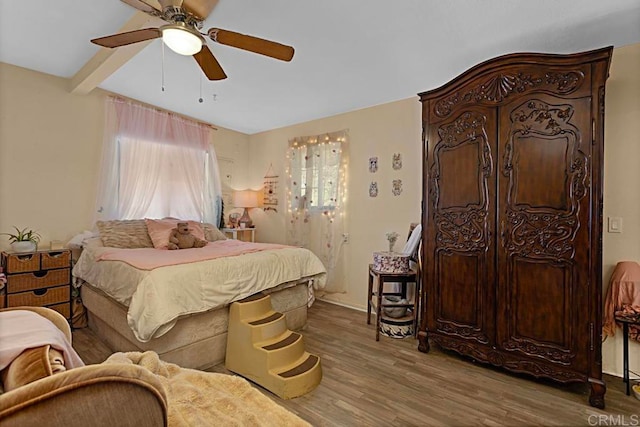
349 54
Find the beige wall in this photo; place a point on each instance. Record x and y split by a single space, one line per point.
50 147
49 151
622 179
377 131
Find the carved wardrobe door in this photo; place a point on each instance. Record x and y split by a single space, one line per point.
512 191
458 237
544 245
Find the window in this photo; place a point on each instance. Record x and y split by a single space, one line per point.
159 180
319 174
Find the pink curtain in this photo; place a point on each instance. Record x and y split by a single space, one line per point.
156 164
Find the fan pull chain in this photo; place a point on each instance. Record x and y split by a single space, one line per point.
200 100
162 86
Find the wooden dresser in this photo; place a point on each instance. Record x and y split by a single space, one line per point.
41 278
512 191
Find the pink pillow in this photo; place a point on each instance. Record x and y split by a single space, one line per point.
160 229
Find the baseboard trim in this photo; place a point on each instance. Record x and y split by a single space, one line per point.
341 304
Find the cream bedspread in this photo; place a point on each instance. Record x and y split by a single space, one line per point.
156 298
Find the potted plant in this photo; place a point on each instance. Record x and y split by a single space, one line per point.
25 240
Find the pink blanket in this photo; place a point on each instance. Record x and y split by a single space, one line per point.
22 329
623 298
150 258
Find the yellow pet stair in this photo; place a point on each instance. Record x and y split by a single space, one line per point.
263 350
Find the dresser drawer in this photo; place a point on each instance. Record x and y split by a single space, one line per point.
50 260
40 297
41 279
16 263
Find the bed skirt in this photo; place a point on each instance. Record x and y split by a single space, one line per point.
197 341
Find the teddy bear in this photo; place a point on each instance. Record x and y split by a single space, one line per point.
181 238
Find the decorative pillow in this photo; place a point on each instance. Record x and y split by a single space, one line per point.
212 233
160 230
95 242
32 365
126 234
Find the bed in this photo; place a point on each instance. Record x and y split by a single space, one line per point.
175 303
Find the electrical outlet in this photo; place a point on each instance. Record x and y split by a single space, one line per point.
345 237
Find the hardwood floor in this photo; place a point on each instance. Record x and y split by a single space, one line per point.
390 383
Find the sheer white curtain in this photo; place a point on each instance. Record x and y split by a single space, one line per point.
316 199
156 164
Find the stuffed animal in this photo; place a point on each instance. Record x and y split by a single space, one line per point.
181 238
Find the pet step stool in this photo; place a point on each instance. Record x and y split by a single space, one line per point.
262 349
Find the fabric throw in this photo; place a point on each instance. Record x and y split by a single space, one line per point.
22 329
623 298
196 398
31 365
149 259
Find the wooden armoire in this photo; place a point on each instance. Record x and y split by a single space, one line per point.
512 215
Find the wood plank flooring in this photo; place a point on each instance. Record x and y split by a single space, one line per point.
390 383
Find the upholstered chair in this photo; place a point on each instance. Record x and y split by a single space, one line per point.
92 395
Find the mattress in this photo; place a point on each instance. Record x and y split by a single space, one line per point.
196 341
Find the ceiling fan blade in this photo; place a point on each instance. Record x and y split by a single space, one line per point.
252 44
130 37
143 6
199 8
209 64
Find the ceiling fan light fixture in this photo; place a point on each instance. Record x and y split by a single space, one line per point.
181 39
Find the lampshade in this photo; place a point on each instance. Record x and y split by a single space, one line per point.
181 39
245 199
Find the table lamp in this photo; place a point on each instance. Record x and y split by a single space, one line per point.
246 199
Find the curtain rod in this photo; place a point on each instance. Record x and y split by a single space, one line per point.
160 110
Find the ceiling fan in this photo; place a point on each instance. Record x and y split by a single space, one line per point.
182 34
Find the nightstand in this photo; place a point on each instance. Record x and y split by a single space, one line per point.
41 278
243 234
396 327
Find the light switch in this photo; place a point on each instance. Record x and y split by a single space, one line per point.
615 224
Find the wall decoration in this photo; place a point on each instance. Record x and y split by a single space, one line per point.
270 190
373 164
397 161
397 187
373 189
